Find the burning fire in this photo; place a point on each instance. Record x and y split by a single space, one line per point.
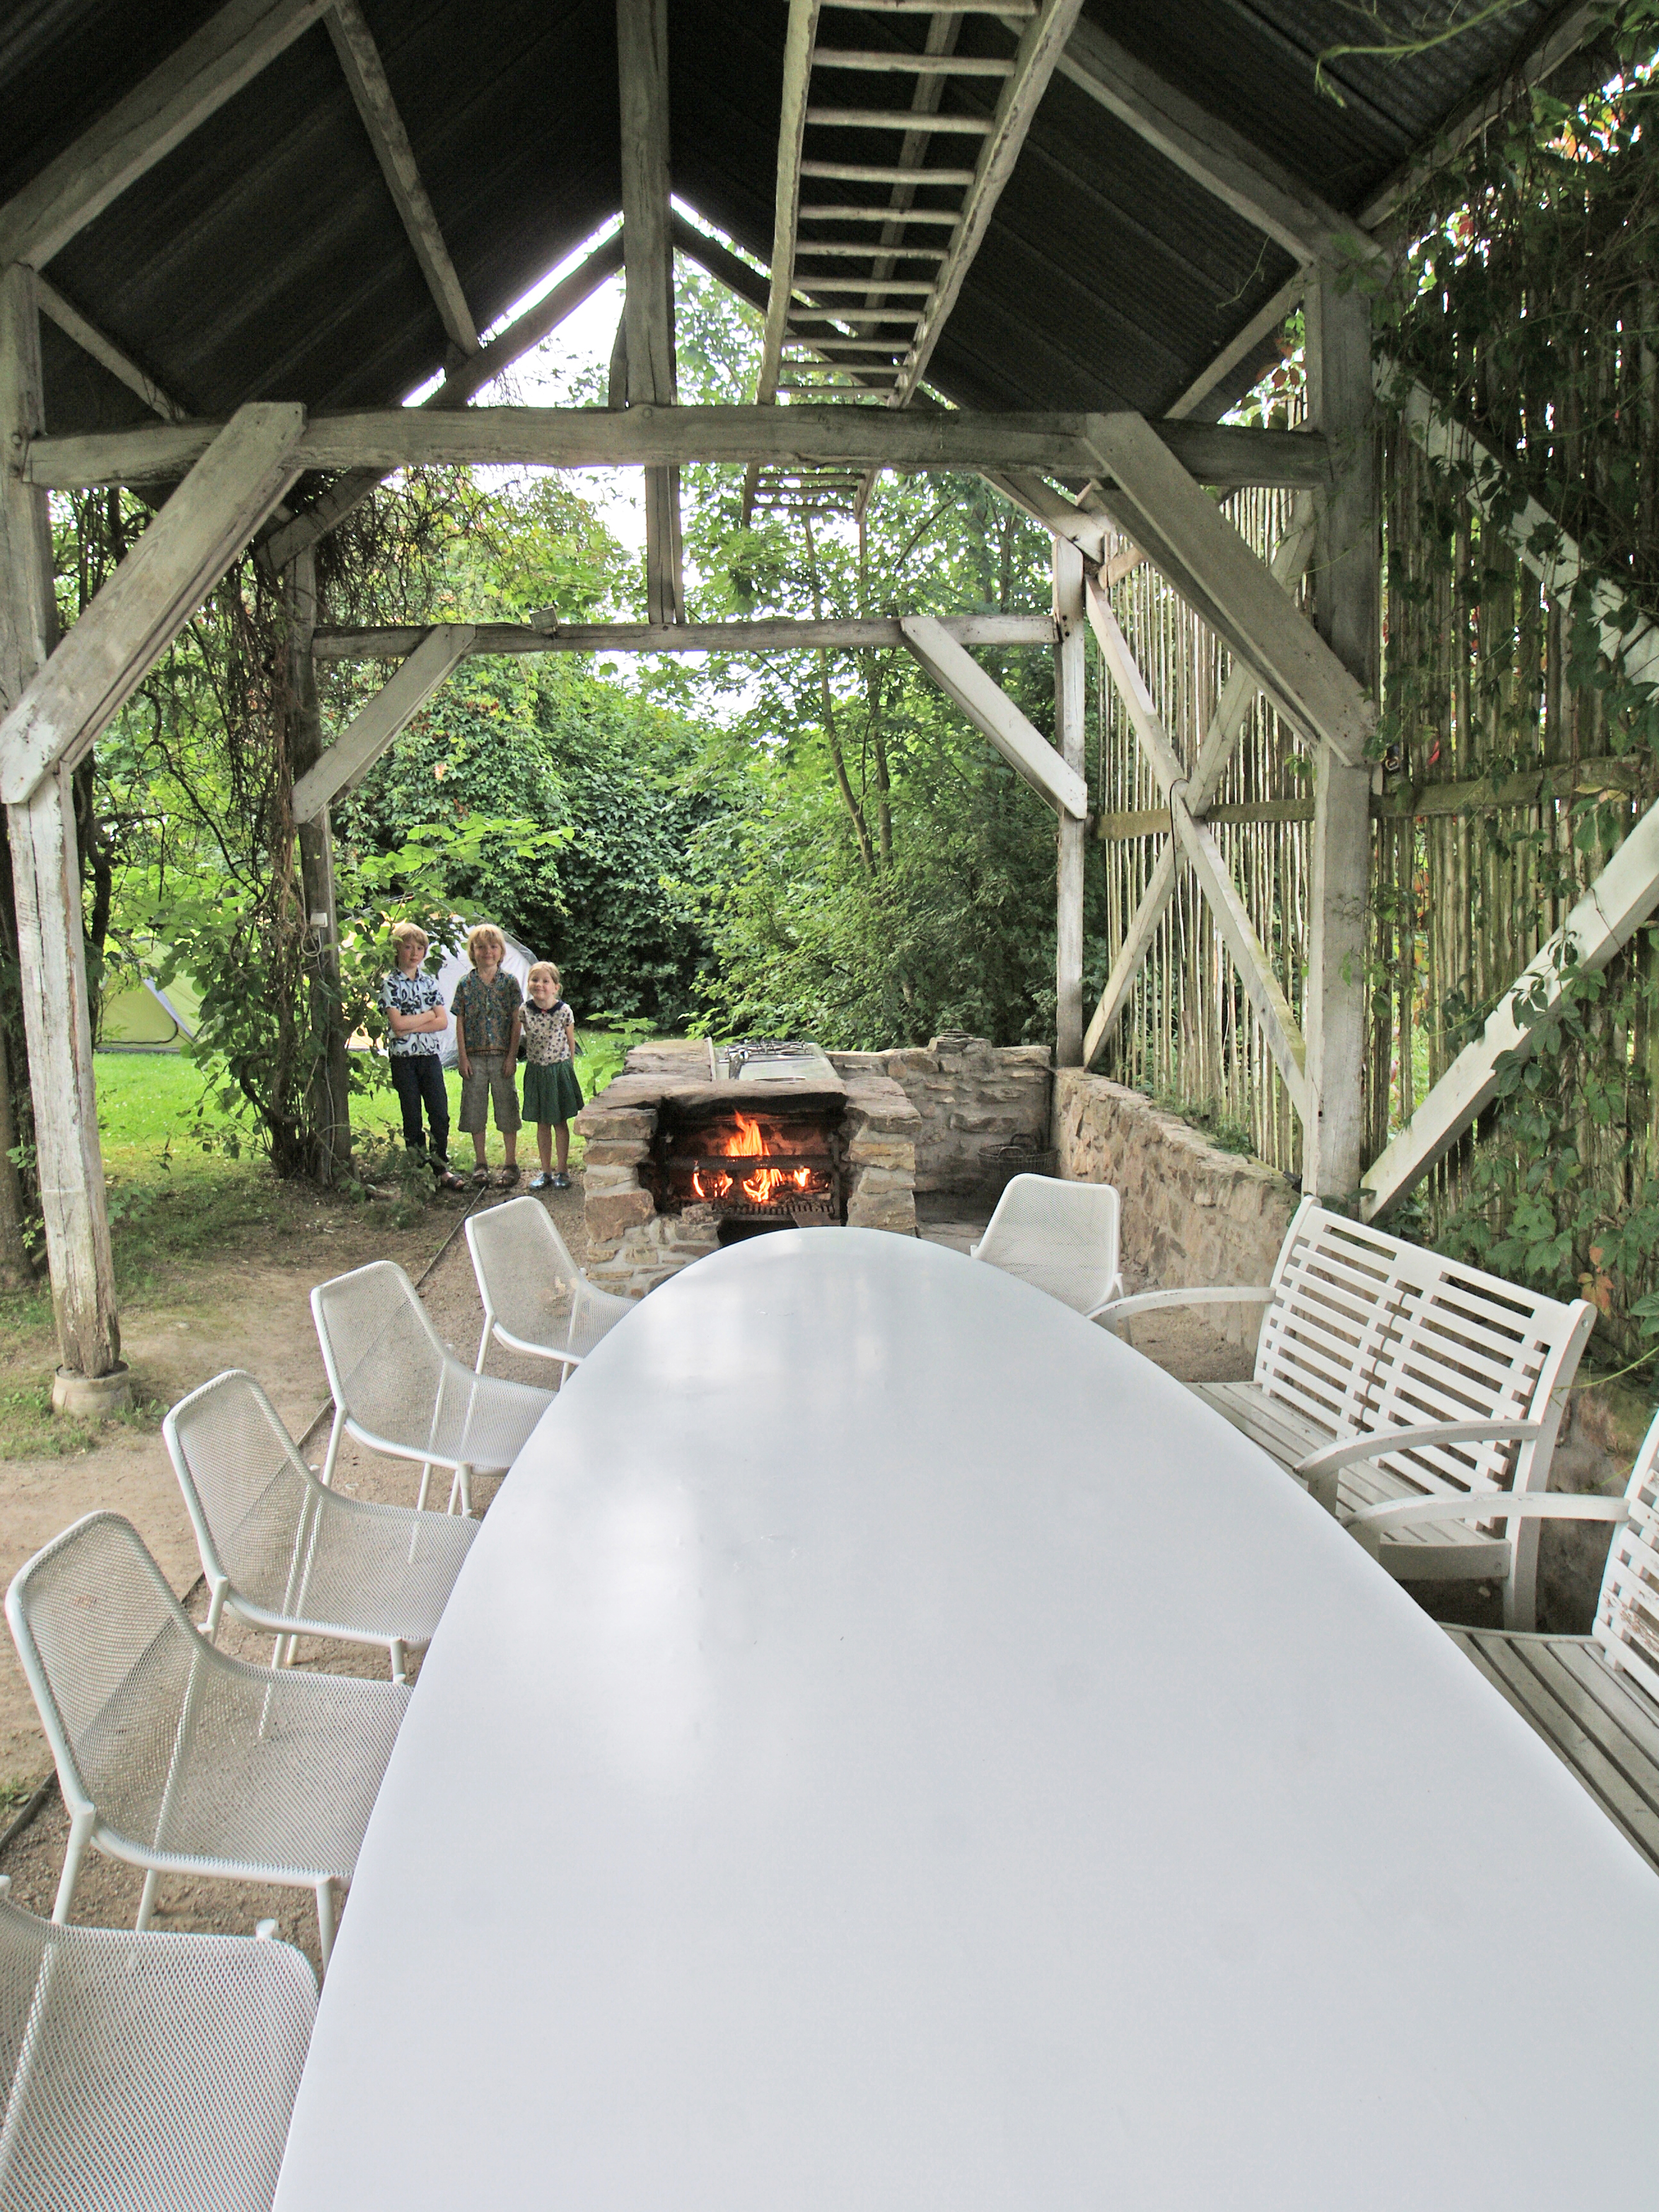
760 1186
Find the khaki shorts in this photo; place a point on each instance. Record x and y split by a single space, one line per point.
491 1080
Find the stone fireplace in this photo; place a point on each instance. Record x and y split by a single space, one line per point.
694 1145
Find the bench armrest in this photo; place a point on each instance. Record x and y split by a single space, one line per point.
1320 1469
1378 1521
1222 1294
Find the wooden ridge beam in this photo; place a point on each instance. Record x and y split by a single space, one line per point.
355 752
104 350
990 709
1250 957
365 72
214 64
1074 446
779 636
153 593
1158 505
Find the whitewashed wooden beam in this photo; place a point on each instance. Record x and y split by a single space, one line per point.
158 585
45 878
1250 957
1200 397
213 65
287 540
104 350
388 438
782 636
1156 503
649 310
365 73
1039 48
1600 925
798 43
1071 835
990 709
388 713
1238 695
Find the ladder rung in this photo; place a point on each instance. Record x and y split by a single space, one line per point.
897 119
846 57
1020 8
845 214
866 172
868 253
827 283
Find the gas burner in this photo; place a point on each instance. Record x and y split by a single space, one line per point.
747 1049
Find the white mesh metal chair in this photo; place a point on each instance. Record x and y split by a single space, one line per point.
282 1552
145 2073
1061 1237
536 1298
176 1758
400 1390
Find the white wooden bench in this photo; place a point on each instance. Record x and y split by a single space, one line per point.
1594 1699
1367 1337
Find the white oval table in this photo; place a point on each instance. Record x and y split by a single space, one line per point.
891 1747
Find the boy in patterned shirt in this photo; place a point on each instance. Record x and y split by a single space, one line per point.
415 1015
488 1006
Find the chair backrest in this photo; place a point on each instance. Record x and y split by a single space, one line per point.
1062 1236
527 1278
245 1487
386 1361
1626 1624
156 2072
110 1654
1366 1333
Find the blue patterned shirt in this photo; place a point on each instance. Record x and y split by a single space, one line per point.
413 994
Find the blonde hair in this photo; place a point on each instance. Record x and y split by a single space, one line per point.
545 968
485 933
404 932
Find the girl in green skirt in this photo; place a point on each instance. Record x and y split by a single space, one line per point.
552 1092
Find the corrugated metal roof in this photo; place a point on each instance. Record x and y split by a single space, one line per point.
263 257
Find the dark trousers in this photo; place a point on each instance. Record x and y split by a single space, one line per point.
418 1079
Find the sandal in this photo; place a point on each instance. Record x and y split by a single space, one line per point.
480 1178
561 1181
450 1181
541 1181
507 1179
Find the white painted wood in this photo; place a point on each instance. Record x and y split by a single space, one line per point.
1071 834
364 71
158 585
1456 1380
906 1857
797 43
355 752
548 635
1266 320
1238 695
1040 49
991 711
649 310
349 492
91 340
229 51
1157 504
46 888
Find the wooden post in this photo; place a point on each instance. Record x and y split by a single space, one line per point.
330 1094
1072 836
1347 613
51 947
648 240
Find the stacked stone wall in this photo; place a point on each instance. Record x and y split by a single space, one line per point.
974 1101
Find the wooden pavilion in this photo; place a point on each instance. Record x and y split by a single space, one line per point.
1048 240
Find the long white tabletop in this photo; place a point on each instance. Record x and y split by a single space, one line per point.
891 1747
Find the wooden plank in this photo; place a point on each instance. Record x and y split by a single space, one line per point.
360 60
1198 398
92 341
791 129
990 709
1250 957
649 310
1290 559
1040 49
330 1097
643 436
782 636
349 492
355 752
1229 167
161 112
1070 731
1156 503
46 887
151 594
1407 802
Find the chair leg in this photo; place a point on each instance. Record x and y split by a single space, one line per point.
79 1837
483 1345
399 1660
147 1902
326 1477
426 1478
328 1914
463 1478
214 1610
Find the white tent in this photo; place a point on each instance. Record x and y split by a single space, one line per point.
518 963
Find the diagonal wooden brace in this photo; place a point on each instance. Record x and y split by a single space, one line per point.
356 751
990 709
152 595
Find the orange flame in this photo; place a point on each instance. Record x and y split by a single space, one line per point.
762 1186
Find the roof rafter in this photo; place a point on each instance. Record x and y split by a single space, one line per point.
93 342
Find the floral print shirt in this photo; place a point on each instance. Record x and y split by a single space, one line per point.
548 1034
486 1009
413 994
